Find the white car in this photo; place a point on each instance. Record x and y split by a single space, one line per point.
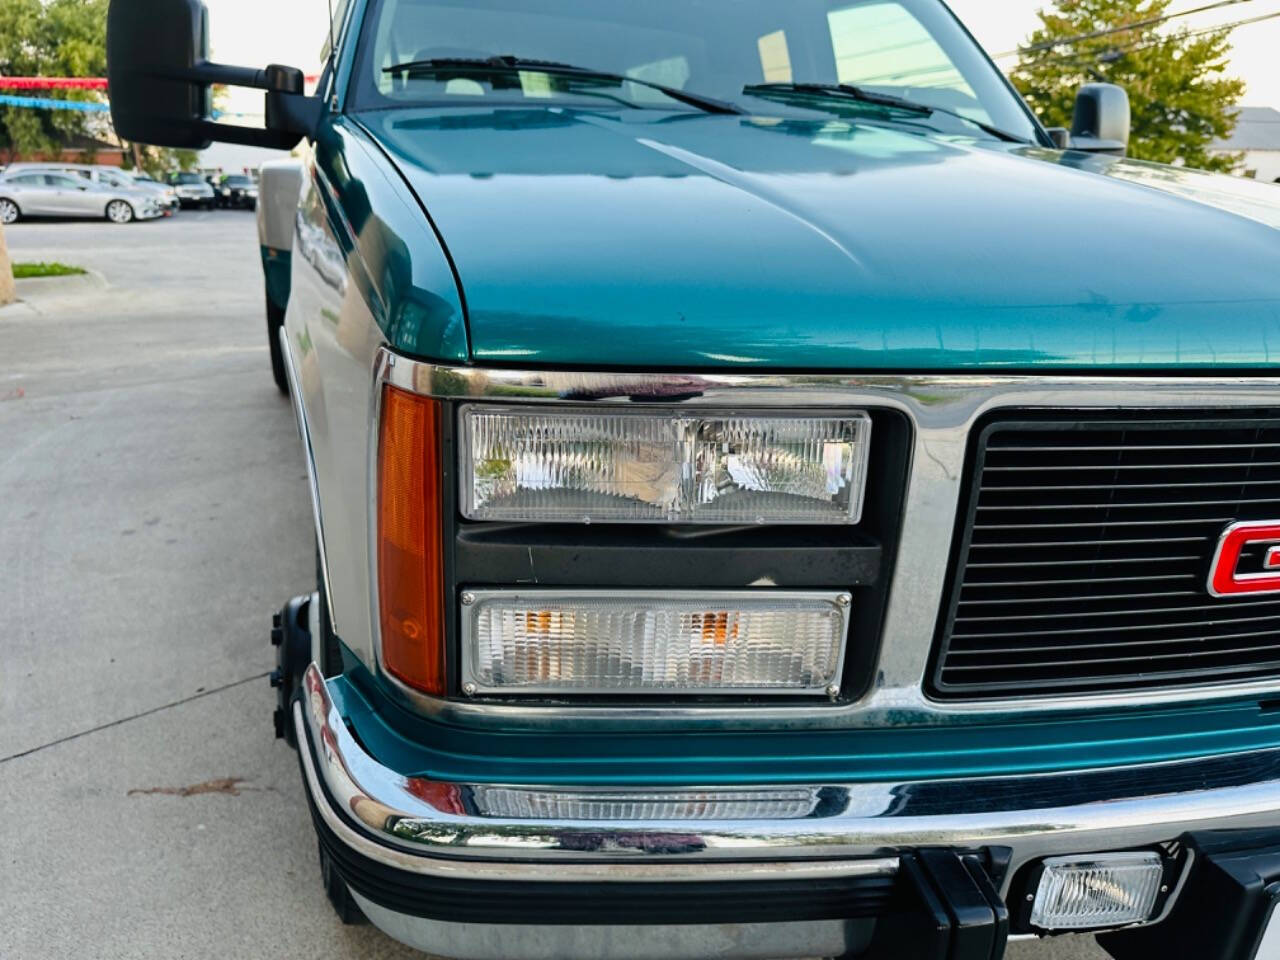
43 193
170 194
193 190
106 176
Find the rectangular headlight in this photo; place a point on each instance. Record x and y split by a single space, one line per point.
659 642
1103 890
638 466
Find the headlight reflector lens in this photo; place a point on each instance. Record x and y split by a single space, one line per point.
534 465
677 642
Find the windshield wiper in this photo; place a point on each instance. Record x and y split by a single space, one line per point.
847 91
507 63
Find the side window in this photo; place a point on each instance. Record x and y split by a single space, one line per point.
62 182
883 45
29 180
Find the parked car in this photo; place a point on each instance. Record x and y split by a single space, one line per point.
172 202
107 176
192 190
773 497
237 192
39 193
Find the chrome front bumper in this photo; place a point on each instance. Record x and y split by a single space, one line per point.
523 834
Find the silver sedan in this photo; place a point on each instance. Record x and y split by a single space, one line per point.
34 194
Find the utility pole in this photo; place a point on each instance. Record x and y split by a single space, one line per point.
7 292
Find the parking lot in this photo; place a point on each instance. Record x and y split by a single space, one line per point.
153 513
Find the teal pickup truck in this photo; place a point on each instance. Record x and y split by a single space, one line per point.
773 498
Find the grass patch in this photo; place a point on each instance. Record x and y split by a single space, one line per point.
24 271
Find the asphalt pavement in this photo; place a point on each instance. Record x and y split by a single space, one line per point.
153 513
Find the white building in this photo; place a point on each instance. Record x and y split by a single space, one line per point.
234 158
1257 136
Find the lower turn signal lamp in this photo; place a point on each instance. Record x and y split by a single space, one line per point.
673 642
410 563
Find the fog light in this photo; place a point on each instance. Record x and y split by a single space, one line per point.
676 642
1103 890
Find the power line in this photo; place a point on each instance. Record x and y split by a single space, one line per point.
1116 52
1136 25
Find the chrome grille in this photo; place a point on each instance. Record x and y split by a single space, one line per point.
1083 556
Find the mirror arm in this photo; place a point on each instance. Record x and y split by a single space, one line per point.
1060 136
273 77
290 114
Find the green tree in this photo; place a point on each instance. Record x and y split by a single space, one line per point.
1181 96
157 161
57 38
63 38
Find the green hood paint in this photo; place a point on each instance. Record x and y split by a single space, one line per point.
645 239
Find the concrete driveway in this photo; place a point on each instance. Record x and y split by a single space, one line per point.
153 513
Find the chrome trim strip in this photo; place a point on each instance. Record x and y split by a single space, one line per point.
836 600
942 409
309 457
424 826
473 848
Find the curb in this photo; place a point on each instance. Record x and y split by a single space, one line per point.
16 309
35 288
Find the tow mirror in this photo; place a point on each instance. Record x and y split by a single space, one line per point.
160 78
1101 120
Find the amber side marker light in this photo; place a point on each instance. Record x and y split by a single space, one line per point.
410 565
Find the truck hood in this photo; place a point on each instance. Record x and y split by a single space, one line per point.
644 239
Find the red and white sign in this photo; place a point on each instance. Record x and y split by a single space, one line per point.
1226 579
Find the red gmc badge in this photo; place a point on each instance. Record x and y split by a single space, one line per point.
1247 561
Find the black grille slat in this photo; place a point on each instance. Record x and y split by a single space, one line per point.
1198 625
1161 504
1086 543
1052 563
1099 467
1083 560
1129 448
1139 612
1077 525
1108 645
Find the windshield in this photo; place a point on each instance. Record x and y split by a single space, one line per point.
237 181
188 178
911 49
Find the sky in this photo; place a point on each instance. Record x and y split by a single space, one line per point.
255 33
